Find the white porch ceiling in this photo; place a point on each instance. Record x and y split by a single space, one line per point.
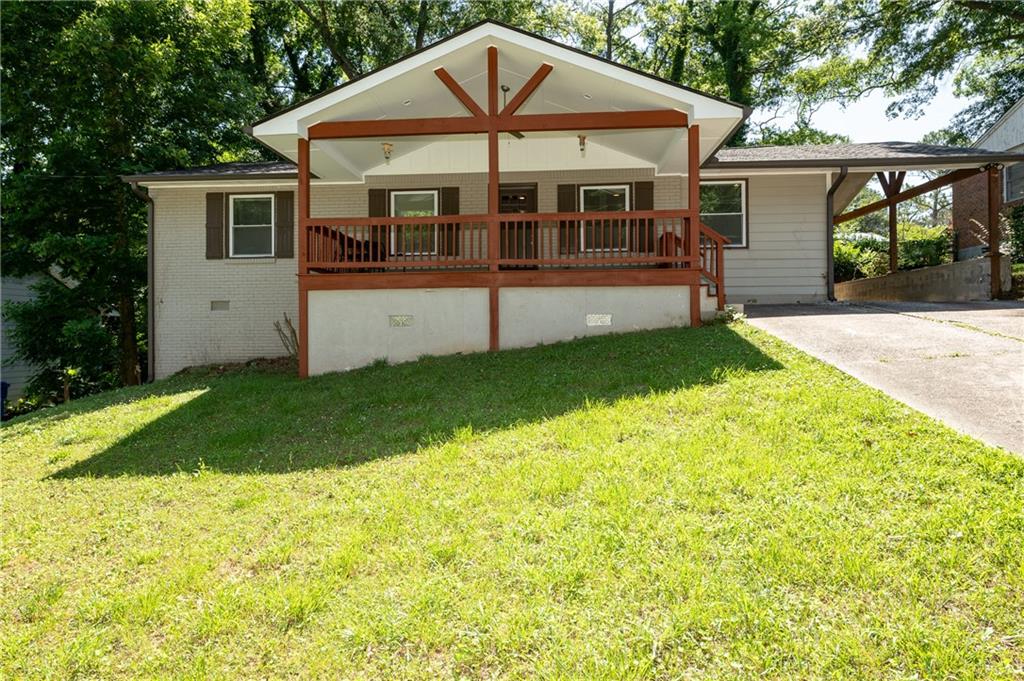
577 83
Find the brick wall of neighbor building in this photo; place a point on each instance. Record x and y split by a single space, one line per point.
970 202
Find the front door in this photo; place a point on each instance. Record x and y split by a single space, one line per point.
518 236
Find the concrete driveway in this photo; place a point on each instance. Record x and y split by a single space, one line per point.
962 363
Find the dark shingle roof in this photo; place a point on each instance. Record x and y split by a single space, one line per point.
893 154
264 170
865 154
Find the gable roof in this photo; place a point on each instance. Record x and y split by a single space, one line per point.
494 22
578 82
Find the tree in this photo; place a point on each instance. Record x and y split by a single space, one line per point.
908 46
92 91
747 51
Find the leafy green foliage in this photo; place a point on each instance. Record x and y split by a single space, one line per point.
910 45
92 91
1015 233
918 246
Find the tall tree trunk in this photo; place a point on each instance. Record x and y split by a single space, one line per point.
609 25
421 23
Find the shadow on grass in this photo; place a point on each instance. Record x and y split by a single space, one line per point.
252 422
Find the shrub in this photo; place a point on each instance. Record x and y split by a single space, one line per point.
1015 233
918 247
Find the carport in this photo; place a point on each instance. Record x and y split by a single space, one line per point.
851 166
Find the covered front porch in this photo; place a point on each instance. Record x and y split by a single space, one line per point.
561 116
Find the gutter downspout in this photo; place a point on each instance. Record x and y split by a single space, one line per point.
830 274
150 279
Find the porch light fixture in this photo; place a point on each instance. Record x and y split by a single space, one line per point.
583 144
387 147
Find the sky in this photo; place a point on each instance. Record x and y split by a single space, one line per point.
865 120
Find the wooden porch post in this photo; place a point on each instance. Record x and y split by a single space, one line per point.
693 205
994 235
303 197
493 252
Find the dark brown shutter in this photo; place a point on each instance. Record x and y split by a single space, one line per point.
451 234
378 203
567 239
284 224
643 199
377 207
215 226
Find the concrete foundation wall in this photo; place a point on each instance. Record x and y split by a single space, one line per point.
532 316
958 281
349 329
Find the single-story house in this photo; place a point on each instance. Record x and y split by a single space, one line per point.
970 196
493 190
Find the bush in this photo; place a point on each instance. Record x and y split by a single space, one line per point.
1015 233
918 247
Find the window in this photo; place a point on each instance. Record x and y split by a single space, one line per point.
605 235
252 226
723 208
1013 182
413 239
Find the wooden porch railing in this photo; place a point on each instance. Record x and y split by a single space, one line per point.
528 240
712 258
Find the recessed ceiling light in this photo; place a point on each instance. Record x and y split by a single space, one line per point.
586 95
407 102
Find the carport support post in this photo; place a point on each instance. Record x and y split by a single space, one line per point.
994 235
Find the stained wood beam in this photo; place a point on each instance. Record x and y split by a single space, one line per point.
605 120
397 127
931 185
460 94
524 92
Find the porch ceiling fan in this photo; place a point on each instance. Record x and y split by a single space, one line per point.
504 102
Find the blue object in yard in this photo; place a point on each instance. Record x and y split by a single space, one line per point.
4 385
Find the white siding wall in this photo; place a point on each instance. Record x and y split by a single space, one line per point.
17 373
785 261
1008 133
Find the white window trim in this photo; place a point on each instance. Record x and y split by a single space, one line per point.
1006 184
231 225
743 208
583 209
437 207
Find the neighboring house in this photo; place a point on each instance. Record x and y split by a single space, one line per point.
493 190
970 195
12 371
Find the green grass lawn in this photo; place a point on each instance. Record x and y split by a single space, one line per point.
673 504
